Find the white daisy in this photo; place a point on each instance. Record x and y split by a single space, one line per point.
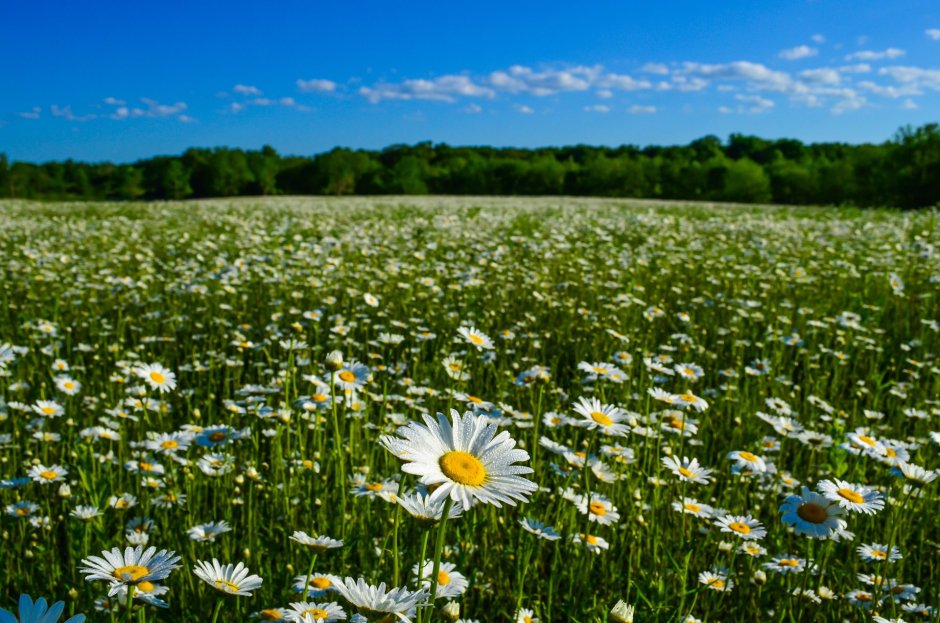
157 377
133 566
466 458
230 579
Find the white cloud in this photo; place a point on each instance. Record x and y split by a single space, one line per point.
605 94
823 75
66 113
914 76
525 110
851 101
859 68
521 79
113 101
759 75
800 51
185 119
909 104
817 38
150 109
597 108
636 109
755 103
316 85
889 91
442 89
33 114
243 89
472 108
655 68
933 33
872 55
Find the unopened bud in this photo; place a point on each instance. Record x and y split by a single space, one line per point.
334 361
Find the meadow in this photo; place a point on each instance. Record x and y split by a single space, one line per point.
706 412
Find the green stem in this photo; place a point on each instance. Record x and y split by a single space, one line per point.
313 561
215 614
438 548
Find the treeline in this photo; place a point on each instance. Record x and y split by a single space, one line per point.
902 172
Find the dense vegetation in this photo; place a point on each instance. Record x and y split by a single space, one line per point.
903 171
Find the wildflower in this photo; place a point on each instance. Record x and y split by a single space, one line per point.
157 377
688 470
319 544
745 527
47 475
856 498
478 339
230 579
607 418
466 458
376 600
450 583
134 566
812 514
539 529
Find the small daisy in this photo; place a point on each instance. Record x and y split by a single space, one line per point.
319 544
879 553
208 531
607 418
230 579
420 506
134 566
478 339
450 583
157 377
785 564
747 461
716 580
692 507
742 526
852 497
47 475
539 529
594 543
375 601
599 509
325 612
688 470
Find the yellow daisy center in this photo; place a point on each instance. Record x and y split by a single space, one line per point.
851 496
321 582
476 339
48 410
747 456
590 539
22 511
225 585
812 513
130 572
463 467
217 436
68 385
868 441
601 418
717 583
788 562
49 474
677 424
157 378
741 527
145 587
270 615
374 486
597 508
169 444
346 376
474 399
877 553
685 472
443 578
317 613
694 508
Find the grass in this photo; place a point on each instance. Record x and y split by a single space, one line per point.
788 312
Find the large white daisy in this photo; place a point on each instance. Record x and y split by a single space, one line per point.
466 458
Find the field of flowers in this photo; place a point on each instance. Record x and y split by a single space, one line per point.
490 410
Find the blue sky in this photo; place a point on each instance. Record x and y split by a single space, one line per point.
105 80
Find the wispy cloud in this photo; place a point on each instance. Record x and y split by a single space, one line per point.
525 110
749 105
637 109
597 108
933 33
151 109
317 85
65 112
800 51
874 55
243 89
35 113
442 89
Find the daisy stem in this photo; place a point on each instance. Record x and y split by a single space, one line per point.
395 570
438 548
215 613
313 561
341 460
130 603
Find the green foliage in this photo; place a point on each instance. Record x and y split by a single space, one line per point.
902 172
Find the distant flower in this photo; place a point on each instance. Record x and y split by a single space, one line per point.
229 579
